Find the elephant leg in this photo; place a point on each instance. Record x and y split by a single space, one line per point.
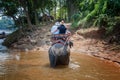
53 60
64 59
66 62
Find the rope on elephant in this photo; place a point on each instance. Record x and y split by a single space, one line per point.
58 37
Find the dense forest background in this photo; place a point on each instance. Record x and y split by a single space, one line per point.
81 13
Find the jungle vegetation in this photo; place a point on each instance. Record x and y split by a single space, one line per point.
81 13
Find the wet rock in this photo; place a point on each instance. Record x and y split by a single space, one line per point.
24 47
3 35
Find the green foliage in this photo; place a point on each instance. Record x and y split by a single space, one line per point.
98 13
95 12
107 22
75 19
62 12
86 5
104 7
111 23
29 8
100 20
113 8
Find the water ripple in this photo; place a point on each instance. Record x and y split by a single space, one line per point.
73 66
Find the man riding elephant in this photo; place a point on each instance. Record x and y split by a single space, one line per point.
59 31
59 52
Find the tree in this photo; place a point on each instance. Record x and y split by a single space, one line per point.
72 8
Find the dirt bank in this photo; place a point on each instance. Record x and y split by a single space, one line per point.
90 41
87 41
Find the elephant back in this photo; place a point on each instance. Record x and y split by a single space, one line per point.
59 49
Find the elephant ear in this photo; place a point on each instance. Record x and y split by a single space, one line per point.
70 44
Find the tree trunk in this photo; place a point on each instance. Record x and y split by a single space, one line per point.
55 12
28 18
36 18
14 20
60 8
24 3
71 9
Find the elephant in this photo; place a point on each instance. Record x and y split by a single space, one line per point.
59 53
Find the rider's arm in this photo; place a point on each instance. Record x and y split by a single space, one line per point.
68 32
54 30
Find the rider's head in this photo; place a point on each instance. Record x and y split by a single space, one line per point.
62 21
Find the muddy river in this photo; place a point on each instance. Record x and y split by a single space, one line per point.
34 65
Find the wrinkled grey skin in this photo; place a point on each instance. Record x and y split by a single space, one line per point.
59 54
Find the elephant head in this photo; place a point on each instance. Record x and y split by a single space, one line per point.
59 54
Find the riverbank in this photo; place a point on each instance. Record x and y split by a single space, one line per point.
86 41
91 42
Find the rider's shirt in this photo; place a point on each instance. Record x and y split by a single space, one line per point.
54 29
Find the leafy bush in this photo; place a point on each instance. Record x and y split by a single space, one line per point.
75 19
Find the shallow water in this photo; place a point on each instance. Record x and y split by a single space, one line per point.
34 65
